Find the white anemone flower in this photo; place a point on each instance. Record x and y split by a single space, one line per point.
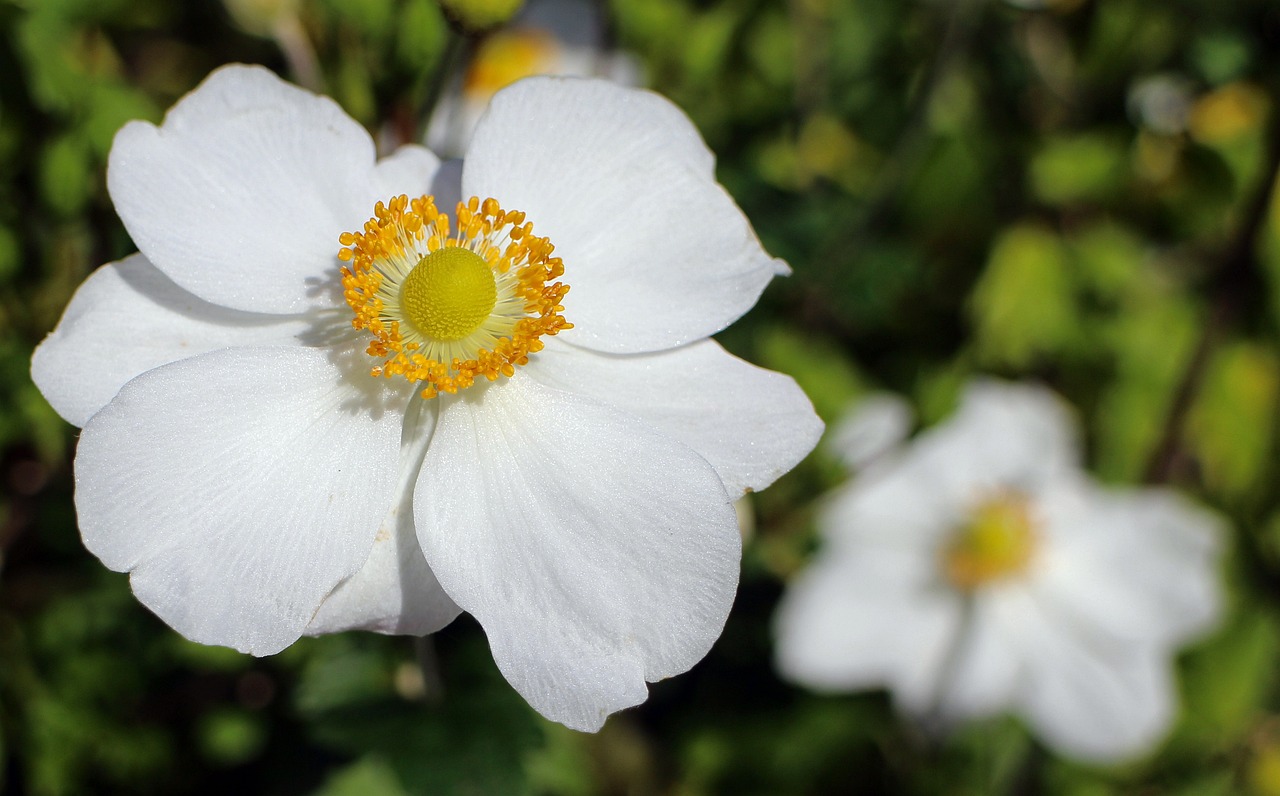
546 37
872 426
979 571
301 420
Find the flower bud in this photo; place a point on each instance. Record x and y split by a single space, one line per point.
478 16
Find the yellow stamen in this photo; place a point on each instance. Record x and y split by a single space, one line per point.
445 309
997 542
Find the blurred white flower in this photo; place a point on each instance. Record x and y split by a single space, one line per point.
875 424
278 444
1161 103
978 570
547 37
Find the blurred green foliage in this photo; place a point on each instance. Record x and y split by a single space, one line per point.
1081 193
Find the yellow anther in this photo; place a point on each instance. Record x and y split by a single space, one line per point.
444 310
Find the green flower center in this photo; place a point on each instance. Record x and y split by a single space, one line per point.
996 542
449 293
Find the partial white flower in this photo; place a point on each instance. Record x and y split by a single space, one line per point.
872 426
298 419
547 37
979 571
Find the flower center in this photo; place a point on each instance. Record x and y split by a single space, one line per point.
995 543
445 308
449 293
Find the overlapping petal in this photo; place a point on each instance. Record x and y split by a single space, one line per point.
596 552
238 488
238 460
656 252
395 591
752 424
240 195
128 318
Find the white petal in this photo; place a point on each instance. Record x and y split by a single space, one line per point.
895 503
1003 436
1138 564
128 318
395 591
656 252
752 424
874 425
596 553
985 669
238 487
241 194
1090 698
410 170
865 620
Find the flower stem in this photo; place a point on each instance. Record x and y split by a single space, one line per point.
1235 282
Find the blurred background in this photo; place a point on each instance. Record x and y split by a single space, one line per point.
1077 192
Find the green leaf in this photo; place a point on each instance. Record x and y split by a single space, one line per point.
10 254
1109 257
421 35
231 736
1088 167
371 775
1232 423
67 175
373 20
1226 682
1152 340
472 741
1024 304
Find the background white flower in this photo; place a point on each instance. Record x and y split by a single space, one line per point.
872 426
258 484
547 37
978 570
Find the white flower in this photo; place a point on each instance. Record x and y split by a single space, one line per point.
242 462
547 37
875 424
980 571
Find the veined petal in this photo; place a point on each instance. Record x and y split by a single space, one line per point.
657 253
238 488
128 318
596 552
395 591
240 195
752 424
